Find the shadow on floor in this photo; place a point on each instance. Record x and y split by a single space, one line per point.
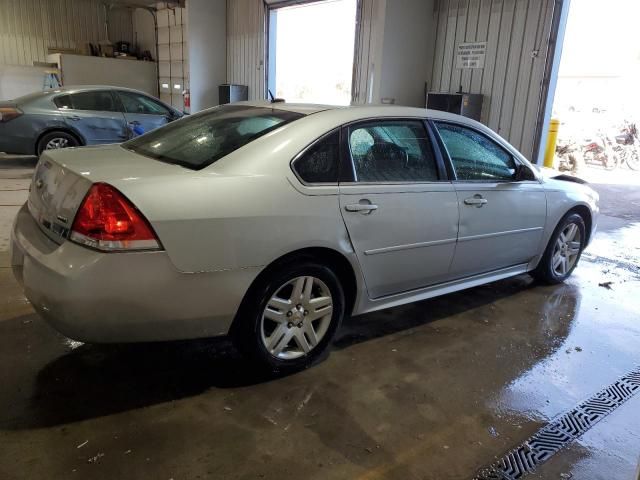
96 380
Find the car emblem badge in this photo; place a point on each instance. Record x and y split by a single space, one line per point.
39 183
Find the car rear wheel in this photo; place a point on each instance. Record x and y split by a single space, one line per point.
55 140
633 158
291 317
563 251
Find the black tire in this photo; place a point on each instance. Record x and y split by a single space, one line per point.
545 270
633 159
247 330
63 137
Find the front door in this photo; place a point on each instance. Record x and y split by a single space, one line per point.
402 217
96 115
501 217
142 113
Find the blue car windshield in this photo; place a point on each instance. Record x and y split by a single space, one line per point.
201 139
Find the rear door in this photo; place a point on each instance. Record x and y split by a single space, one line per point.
143 113
400 210
501 217
95 114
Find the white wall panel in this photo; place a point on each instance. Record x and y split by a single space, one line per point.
517 36
207 39
245 45
408 28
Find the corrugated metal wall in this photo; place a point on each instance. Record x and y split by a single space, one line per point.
121 25
245 45
517 34
29 28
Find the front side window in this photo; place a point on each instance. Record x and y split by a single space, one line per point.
319 164
136 103
99 101
475 156
392 151
201 139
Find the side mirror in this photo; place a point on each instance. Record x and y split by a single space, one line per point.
523 173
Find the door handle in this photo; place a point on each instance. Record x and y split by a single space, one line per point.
476 200
361 207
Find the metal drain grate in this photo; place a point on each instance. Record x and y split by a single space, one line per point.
565 428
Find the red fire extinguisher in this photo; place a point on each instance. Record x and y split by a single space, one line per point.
186 96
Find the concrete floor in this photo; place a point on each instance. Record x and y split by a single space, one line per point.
433 390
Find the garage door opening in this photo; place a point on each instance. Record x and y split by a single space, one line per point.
594 100
310 51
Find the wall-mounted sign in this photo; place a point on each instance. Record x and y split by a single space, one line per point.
471 55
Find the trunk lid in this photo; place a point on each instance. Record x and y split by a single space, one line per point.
62 178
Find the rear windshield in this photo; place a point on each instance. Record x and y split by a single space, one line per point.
201 139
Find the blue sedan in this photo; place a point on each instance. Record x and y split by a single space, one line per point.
73 116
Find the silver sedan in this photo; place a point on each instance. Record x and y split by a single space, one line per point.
271 222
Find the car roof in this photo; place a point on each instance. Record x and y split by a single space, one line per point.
362 111
88 88
36 97
327 117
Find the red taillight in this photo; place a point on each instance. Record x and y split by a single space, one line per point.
107 220
9 113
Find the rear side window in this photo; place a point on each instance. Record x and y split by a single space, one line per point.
63 101
392 151
319 164
475 156
201 139
99 101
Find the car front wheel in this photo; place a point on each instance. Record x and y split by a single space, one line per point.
563 251
291 317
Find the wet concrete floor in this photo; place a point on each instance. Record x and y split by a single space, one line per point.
433 390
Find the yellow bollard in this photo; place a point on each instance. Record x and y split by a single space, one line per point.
552 139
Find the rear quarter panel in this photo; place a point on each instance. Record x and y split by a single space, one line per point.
21 134
214 224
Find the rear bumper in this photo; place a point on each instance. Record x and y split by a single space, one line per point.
121 297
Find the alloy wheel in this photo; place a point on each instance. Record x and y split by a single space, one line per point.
566 250
296 317
57 142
